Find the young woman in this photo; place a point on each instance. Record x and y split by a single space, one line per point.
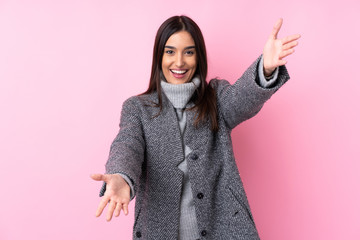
174 151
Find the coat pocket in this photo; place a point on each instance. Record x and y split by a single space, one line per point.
240 207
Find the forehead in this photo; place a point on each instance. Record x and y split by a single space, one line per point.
180 39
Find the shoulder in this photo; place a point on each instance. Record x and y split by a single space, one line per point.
218 84
141 100
140 105
215 82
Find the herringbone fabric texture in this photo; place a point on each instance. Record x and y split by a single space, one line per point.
149 149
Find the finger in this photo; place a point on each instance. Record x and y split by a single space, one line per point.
97 176
118 209
110 211
290 45
276 28
290 38
280 62
101 206
101 177
125 208
286 53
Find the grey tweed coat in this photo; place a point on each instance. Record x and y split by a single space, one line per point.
149 149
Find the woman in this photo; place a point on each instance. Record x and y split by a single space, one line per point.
174 151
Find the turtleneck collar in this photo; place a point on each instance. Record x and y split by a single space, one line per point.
180 94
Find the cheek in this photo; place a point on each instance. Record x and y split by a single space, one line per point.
165 63
193 64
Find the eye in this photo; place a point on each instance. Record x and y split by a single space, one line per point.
169 52
189 52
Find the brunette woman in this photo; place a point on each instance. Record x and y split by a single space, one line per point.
174 150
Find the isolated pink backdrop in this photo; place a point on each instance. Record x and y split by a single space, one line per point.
67 66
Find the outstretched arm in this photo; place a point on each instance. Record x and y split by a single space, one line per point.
245 98
276 50
123 167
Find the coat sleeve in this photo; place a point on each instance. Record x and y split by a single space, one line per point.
127 150
244 99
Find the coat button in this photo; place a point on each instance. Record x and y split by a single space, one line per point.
194 157
203 233
138 234
200 195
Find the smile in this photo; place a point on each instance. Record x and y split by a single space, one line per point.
178 71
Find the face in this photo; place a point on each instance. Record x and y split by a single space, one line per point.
179 58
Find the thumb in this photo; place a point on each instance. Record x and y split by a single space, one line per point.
98 177
276 29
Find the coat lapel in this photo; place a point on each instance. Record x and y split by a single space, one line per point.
196 137
168 136
171 125
165 132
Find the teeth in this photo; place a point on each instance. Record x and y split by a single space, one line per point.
179 71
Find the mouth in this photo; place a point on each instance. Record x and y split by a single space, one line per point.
179 73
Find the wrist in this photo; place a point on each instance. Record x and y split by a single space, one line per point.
268 72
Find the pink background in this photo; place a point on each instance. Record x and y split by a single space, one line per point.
67 66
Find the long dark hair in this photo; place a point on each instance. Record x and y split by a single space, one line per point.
204 97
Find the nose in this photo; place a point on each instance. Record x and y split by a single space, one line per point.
179 60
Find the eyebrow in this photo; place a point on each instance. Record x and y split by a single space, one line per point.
171 47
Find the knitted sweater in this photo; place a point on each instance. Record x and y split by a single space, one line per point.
179 96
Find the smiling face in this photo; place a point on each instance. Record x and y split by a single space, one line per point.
179 58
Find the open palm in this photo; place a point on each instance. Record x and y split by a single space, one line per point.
276 50
117 195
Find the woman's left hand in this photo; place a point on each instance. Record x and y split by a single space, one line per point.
276 49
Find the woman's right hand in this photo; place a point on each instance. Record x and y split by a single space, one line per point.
117 195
